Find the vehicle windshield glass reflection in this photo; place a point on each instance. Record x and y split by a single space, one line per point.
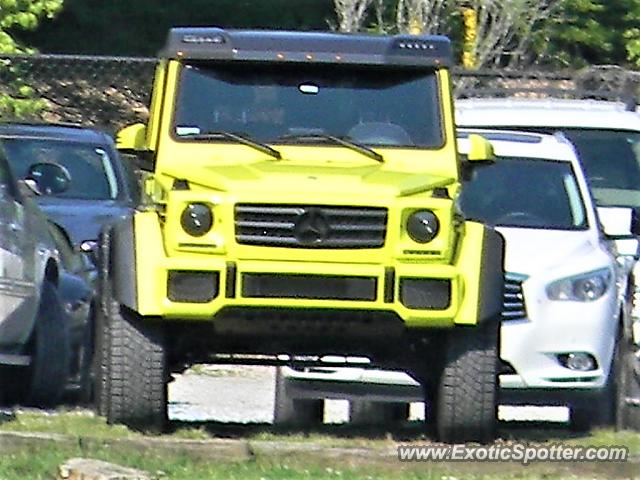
381 107
611 160
528 193
90 168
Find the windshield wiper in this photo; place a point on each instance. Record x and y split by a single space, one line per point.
238 138
340 141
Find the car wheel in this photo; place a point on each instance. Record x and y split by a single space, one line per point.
99 366
136 383
289 411
628 389
47 376
465 406
366 412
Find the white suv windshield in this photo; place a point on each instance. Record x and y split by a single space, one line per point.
611 160
524 192
286 103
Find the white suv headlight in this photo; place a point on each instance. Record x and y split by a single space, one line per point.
585 287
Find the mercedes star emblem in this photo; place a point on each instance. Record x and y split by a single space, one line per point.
311 227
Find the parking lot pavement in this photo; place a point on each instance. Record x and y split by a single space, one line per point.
245 394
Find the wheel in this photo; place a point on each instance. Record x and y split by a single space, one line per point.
365 412
100 368
288 411
465 403
136 386
47 376
131 363
628 389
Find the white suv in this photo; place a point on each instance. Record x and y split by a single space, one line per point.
606 135
561 301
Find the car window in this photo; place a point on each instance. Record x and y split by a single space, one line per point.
611 160
92 173
371 106
526 193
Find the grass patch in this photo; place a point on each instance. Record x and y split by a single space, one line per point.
42 462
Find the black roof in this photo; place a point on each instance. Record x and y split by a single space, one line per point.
53 131
209 43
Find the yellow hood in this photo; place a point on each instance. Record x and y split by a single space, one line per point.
278 176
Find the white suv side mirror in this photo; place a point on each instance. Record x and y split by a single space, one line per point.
622 225
619 222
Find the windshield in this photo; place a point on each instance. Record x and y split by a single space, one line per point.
89 166
290 103
611 160
524 192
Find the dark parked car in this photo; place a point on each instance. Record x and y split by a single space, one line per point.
77 290
45 301
100 187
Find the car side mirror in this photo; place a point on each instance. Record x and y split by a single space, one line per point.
620 222
622 225
46 178
132 139
480 149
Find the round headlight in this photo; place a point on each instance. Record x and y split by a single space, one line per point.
422 226
196 219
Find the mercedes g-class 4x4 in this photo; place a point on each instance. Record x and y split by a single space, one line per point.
300 200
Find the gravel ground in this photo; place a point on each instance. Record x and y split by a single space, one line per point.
244 394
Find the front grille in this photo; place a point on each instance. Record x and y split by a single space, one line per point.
310 226
312 287
513 306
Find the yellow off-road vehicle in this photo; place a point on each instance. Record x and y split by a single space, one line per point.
301 201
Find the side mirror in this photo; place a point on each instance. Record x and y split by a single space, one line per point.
480 149
132 138
620 222
47 178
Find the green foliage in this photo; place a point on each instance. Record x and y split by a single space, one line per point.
139 27
23 15
592 32
17 100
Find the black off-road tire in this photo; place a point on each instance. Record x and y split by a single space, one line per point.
47 376
294 412
628 389
136 387
100 367
465 406
367 412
